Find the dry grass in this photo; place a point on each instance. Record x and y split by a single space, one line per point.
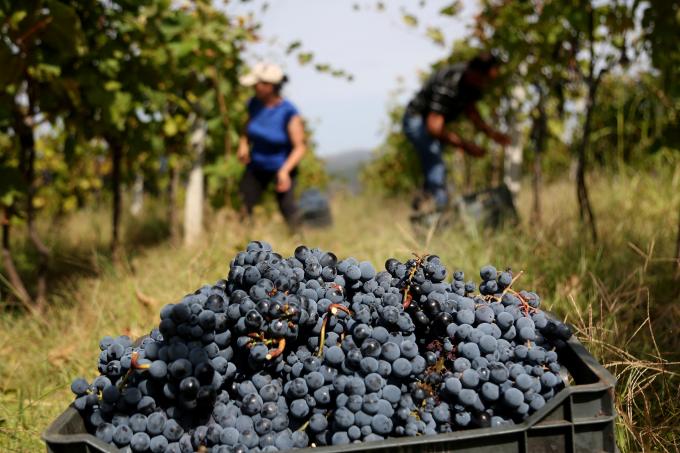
621 294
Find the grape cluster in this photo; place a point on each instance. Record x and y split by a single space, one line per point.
312 350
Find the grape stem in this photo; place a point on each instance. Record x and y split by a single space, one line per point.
406 301
337 287
525 305
278 351
512 282
322 335
261 338
134 365
333 310
304 425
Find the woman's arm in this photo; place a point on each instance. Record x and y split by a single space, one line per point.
243 150
296 132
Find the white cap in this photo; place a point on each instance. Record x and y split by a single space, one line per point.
263 72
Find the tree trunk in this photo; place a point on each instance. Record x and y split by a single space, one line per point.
497 167
116 157
173 188
193 203
512 166
137 204
224 114
540 132
224 111
467 160
536 184
585 209
27 141
592 81
677 249
17 284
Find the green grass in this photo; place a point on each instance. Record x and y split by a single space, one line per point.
621 294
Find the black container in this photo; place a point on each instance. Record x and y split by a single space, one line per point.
314 209
579 419
490 208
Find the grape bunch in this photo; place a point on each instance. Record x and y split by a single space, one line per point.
312 350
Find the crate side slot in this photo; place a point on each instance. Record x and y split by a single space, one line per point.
557 439
592 404
594 438
560 412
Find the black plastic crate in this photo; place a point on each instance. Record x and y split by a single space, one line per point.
314 209
579 419
489 208
492 208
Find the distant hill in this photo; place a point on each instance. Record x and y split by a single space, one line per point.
345 167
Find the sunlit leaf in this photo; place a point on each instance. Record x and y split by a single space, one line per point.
322 67
452 9
182 48
293 46
44 72
436 35
305 57
112 85
119 109
70 203
170 128
410 20
39 202
17 17
7 199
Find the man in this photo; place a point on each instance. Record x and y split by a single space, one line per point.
451 91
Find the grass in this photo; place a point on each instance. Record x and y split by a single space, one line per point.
621 294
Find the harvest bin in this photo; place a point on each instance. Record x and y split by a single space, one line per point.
314 209
579 419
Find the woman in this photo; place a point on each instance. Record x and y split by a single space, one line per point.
273 143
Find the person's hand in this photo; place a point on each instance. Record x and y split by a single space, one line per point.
501 139
283 181
474 150
243 154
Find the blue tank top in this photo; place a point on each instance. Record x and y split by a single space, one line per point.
268 134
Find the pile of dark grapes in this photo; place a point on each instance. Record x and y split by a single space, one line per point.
310 350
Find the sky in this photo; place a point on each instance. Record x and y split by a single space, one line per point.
377 48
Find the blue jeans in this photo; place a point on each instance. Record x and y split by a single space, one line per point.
429 151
